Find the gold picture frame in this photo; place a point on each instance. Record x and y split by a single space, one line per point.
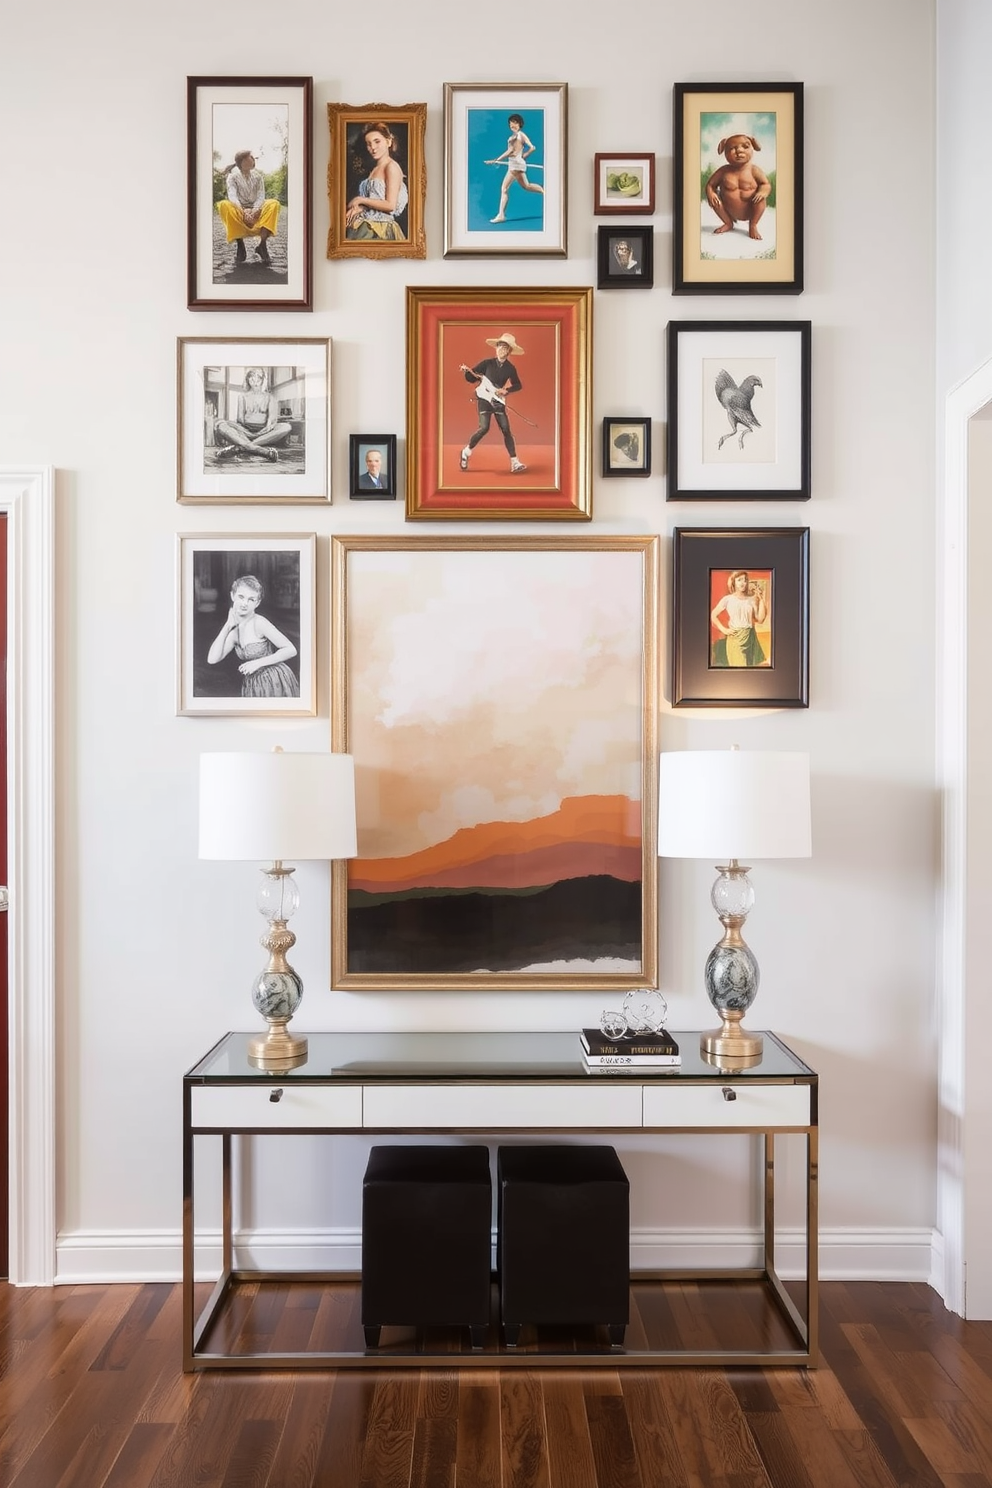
357 231
533 466
531 866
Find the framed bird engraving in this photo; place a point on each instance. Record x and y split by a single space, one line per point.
740 623
739 399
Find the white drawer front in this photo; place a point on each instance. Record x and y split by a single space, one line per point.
501 1108
706 1105
218 1106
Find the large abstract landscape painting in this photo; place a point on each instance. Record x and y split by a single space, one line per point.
499 698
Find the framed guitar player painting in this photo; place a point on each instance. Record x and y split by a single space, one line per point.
499 417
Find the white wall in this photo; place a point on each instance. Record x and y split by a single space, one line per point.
157 950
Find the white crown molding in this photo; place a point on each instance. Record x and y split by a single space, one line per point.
27 496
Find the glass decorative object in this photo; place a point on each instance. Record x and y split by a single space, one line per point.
278 990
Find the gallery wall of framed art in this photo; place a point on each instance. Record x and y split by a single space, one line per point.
93 317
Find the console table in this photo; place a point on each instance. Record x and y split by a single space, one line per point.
495 1084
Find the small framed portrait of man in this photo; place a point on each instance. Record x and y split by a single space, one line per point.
626 258
372 467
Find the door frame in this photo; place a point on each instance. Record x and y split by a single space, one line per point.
964 1115
27 495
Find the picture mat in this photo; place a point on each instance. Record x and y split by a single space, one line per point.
696 349
458 237
617 459
263 484
636 166
699 270
189 546
207 95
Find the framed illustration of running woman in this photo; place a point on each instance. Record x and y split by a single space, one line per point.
249 144
505 169
740 628
376 181
498 404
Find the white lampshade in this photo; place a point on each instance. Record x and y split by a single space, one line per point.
733 803
277 806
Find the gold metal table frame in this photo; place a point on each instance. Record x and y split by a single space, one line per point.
455 1076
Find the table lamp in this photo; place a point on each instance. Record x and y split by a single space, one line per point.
728 805
277 806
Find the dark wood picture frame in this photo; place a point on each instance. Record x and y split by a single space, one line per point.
626 445
704 561
715 250
228 269
616 192
360 487
625 257
731 381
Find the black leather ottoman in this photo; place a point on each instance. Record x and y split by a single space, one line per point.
563 1250
426 1239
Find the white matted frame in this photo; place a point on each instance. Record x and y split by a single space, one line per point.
477 137
254 420
273 118
222 667
739 405
27 496
623 184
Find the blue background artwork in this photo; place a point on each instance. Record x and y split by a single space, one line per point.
488 133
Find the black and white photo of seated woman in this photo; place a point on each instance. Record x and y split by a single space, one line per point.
246 625
254 420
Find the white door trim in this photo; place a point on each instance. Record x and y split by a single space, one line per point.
963 998
27 495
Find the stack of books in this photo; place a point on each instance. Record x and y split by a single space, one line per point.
633 1051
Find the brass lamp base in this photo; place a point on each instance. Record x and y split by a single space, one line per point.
278 1049
730 1040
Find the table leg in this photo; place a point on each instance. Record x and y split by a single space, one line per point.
188 1231
227 1243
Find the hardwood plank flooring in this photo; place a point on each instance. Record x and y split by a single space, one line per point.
92 1393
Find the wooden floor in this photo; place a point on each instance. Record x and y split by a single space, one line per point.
91 1393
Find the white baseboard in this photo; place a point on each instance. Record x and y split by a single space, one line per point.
100 1257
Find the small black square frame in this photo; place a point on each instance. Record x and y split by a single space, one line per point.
370 479
626 257
626 446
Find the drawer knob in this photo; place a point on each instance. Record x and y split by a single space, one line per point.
276 1095
728 1094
